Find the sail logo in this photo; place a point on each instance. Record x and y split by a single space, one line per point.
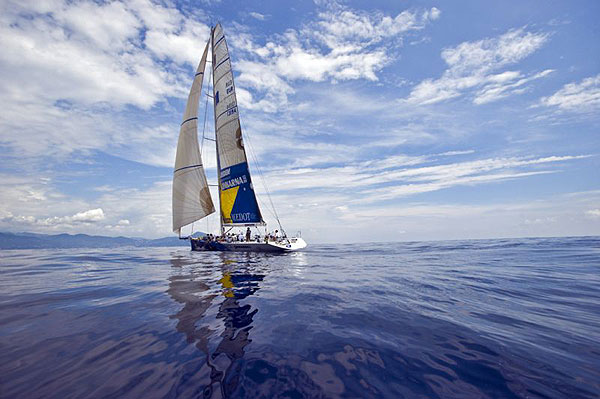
236 181
225 172
243 217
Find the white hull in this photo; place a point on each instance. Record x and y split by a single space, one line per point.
294 244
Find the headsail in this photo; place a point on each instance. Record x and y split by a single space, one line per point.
191 196
238 201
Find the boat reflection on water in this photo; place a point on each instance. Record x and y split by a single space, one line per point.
217 287
217 320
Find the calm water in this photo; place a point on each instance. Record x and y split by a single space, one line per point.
468 319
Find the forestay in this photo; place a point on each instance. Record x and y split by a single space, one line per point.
238 201
191 195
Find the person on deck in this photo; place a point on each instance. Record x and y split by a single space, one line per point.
248 233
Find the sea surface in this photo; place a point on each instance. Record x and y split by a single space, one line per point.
453 319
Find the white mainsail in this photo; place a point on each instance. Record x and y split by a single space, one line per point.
191 195
236 193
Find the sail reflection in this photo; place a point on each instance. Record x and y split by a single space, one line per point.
218 286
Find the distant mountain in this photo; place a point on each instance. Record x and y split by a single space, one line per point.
34 240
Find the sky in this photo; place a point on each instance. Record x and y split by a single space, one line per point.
369 120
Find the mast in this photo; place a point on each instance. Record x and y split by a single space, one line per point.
237 200
212 50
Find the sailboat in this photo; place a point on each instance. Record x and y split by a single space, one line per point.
238 205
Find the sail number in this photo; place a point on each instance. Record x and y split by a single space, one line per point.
229 86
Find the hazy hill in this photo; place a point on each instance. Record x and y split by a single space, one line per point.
33 240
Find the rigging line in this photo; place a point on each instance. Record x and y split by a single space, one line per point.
272 209
205 111
264 182
206 92
263 206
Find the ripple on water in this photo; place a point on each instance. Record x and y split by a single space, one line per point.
473 318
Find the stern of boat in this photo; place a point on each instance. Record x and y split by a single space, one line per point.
296 243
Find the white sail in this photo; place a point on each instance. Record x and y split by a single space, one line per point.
236 193
191 195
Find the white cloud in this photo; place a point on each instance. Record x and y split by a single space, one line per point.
89 53
387 179
543 220
320 218
577 97
312 65
139 53
112 25
471 65
342 28
457 152
93 215
497 89
260 78
33 204
257 15
75 67
405 190
493 53
342 44
320 211
593 213
80 218
434 13
182 44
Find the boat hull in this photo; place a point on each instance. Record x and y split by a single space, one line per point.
252 246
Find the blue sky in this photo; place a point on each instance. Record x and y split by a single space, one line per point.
371 120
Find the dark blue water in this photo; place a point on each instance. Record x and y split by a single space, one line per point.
456 319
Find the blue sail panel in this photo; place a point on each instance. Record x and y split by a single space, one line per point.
238 200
